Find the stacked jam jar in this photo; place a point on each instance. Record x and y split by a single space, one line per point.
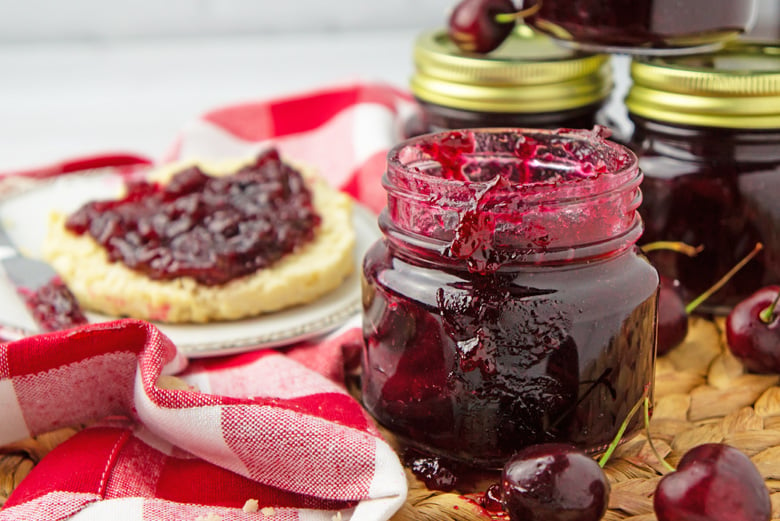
509 302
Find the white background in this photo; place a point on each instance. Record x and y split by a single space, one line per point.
89 76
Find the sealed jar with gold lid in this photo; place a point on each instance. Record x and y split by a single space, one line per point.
529 81
707 132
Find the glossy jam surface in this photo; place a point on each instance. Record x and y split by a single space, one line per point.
53 306
507 304
476 366
213 229
643 23
714 188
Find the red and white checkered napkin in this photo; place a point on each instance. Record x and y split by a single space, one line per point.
275 426
344 132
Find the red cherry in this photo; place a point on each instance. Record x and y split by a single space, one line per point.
473 26
672 316
554 482
713 482
753 331
673 312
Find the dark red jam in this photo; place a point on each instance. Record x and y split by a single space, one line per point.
507 304
655 24
715 188
213 229
438 118
53 306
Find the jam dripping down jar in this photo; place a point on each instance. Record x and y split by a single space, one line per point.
507 303
707 133
528 82
649 27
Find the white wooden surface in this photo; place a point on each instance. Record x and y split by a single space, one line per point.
76 98
90 76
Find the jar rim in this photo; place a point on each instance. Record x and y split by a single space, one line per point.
625 160
500 219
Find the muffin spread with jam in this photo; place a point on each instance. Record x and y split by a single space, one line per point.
201 242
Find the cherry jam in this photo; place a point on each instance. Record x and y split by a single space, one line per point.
211 228
507 303
53 306
652 26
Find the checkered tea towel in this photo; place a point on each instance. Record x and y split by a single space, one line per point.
269 434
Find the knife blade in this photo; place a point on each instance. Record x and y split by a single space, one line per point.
47 299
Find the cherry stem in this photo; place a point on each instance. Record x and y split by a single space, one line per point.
679 247
723 280
622 430
768 313
508 18
658 456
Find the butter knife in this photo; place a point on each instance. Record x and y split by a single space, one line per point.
48 300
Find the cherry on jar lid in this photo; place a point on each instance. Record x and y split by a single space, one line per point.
528 73
735 87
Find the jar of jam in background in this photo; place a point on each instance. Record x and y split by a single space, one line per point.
507 303
528 82
707 133
657 27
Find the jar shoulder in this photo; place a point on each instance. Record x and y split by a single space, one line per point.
626 278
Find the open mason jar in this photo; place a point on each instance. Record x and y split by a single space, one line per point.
657 27
507 303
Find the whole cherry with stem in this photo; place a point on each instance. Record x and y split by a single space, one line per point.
673 313
480 26
753 331
557 481
713 482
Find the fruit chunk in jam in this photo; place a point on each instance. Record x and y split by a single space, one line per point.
53 306
213 229
508 304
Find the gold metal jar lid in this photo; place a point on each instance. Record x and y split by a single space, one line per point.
528 73
735 87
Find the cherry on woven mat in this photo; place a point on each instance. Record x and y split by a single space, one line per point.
673 313
554 482
753 331
713 482
672 316
473 26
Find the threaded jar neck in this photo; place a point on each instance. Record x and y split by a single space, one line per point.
495 197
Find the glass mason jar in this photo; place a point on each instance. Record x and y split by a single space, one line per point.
507 303
707 133
528 82
657 27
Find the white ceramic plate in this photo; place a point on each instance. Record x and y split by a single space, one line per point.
25 211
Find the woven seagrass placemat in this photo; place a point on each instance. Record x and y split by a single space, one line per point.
702 394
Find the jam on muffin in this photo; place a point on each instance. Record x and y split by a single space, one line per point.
206 242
